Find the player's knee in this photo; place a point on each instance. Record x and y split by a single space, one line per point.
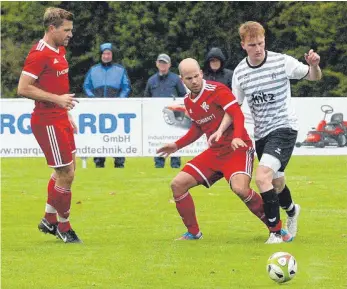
240 189
67 174
263 179
279 184
177 187
278 188
259 181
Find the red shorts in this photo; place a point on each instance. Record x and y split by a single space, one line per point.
208 167
56 139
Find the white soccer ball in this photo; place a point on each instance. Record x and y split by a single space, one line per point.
281 267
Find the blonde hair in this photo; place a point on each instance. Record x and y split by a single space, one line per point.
251 29
56 16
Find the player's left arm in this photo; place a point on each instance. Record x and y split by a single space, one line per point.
233 113
298 70
313 59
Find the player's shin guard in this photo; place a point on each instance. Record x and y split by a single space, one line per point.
63 207
255 204
272 210
186 208
286 201
50 211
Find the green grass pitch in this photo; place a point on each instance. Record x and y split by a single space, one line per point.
128 226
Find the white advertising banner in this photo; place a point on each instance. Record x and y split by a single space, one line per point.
106 127
137 127
164 121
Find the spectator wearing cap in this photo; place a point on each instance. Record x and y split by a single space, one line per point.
214 67
107 79
165 84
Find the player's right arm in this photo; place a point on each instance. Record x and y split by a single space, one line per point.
27 89
228 102
34 65
226 122
193 134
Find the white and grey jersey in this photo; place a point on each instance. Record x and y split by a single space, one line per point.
267 90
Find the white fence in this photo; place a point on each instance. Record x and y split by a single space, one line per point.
137 127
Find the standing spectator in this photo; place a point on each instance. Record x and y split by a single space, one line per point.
214 67
107 79
165 84
45 79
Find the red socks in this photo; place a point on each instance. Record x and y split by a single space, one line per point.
254 202
63 204
186 209
51 212
58 201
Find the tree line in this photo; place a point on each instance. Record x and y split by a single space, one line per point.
142 30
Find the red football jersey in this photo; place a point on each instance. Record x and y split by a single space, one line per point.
50 69
208 108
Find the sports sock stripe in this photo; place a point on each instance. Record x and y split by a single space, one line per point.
181 197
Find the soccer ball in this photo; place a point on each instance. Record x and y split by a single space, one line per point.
281 267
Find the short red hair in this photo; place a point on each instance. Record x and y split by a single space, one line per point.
251 29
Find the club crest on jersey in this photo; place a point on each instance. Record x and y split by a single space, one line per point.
205 106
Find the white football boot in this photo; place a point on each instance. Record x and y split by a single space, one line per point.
292 222
274 239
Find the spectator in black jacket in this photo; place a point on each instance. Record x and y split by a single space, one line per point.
214 67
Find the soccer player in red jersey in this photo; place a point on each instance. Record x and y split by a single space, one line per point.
45 79
206 104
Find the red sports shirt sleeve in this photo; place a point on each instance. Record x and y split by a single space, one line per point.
228 102
34 64
191 136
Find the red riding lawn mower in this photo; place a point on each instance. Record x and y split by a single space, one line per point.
333 133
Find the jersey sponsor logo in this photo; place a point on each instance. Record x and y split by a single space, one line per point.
205 106
62 72
206 119
261 97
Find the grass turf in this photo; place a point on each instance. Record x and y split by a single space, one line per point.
128 226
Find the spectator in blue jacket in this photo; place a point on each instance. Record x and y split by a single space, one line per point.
107 79
165 84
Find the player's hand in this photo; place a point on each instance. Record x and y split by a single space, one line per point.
73 124
167 150
215 137
237 143
312 58
67 101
